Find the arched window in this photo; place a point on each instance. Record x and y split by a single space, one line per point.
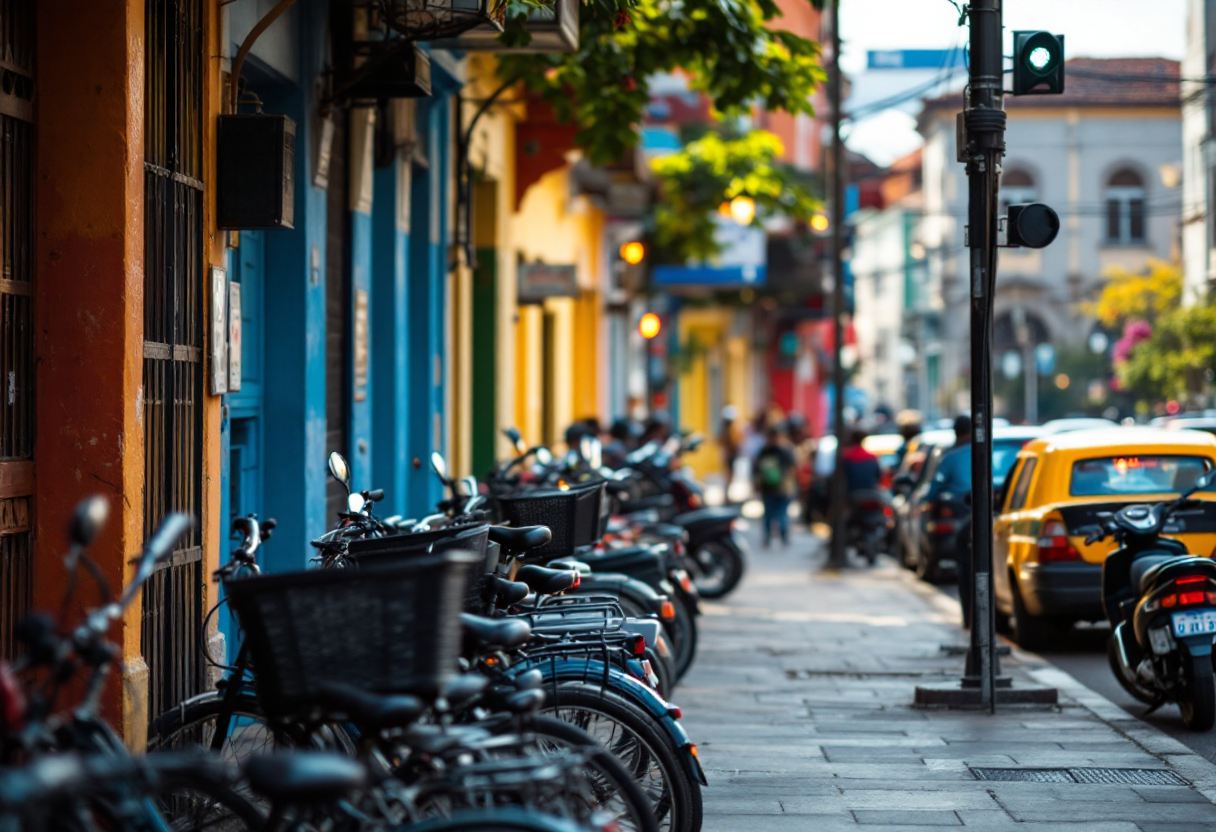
1125 207
1017 186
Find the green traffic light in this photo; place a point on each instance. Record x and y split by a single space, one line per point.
1040 59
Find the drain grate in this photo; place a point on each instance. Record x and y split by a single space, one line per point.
1024 775
1128 776
1100 776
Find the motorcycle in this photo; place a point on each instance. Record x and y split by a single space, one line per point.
1161 604
869 523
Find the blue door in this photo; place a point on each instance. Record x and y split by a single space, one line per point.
245 406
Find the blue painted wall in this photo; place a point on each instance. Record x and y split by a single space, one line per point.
361 397
391 370
294 323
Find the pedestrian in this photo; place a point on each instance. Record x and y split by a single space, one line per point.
730 439
775 478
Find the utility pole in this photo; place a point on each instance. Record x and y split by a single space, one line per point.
838 557
985 131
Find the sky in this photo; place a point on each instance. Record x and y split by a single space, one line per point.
1092 28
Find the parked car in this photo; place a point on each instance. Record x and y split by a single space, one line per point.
1077 423
1204 423
1046 577
939 506
905 482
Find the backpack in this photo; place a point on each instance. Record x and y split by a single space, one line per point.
770 470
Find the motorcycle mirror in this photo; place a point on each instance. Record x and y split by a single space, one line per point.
339 469
470 486
517 440
584 448
544 456
1204 481
597 454
439 465
355 502
89 519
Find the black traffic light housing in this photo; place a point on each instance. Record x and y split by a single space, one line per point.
1038 63
1031 224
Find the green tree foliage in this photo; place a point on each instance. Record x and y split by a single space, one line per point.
726 48
1138 296
1178 360
711 171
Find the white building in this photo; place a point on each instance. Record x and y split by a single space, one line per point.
1106 154
1199 158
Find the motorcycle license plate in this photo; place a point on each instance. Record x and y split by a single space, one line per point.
1194 623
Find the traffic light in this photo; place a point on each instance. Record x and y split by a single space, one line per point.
1031 224
1038 63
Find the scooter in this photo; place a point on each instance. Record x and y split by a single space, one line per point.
1161 604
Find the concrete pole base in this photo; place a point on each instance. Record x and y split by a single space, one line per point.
956 695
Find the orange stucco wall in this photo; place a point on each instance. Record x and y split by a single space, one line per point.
89 296
89 306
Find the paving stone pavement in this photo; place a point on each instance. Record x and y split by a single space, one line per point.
800 703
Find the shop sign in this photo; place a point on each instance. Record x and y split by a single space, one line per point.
234 337
362 347
538 281
219 331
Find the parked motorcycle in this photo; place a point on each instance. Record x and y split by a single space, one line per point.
870 522
1161 604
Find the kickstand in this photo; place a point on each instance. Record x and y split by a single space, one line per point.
1152 708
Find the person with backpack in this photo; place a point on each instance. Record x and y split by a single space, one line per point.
775 478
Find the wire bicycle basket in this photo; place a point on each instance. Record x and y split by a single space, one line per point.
435 19
573 515
385 629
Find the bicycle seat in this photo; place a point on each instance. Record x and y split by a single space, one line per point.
371 711
547 581
516 540
461 689
504 593
305 777
495 633
437 739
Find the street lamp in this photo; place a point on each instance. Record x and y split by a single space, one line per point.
633 252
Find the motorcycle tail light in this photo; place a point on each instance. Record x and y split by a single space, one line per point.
1054 545
1190 579
639 646
888 512
1187 599
1167 601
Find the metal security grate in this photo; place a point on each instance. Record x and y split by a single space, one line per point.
17 143
173 341
1098 776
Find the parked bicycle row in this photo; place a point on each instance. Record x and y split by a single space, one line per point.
505 663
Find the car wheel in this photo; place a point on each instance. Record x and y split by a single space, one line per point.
1030 631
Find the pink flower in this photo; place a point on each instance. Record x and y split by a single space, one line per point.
1133 333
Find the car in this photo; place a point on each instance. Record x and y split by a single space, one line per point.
1045 576
1203 423
885 446
939 506
906 480
1074 423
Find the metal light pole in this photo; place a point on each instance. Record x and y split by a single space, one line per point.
837 558
985 132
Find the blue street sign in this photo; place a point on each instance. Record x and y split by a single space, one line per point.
914 58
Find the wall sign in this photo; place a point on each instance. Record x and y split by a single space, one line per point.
219 331
361 333
234 337
538 281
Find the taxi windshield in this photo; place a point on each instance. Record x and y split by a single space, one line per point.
1115 476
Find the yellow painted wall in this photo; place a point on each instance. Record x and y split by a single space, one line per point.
529 399
705 336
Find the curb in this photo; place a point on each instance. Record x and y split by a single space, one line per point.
1187 764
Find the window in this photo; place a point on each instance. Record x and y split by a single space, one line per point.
1125 208
1022 487
1126 475
1017 186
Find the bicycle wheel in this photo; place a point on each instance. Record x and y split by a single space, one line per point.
190 801
194 724
494 820
612 787
631 736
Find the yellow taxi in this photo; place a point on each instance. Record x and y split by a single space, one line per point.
1045 576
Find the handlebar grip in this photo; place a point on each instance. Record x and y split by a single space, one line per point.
165 539
375 495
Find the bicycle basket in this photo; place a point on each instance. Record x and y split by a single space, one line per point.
387 629
466 537
572 515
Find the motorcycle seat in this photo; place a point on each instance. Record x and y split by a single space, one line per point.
704 517
625 560
547 581
370 711
1168 567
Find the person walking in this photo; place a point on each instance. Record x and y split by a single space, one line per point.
775 478
954 475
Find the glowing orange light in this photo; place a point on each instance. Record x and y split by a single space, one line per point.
649 326
819 222
633 252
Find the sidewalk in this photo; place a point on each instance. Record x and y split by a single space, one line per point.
800 705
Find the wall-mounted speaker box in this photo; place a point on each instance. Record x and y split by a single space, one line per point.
255 172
